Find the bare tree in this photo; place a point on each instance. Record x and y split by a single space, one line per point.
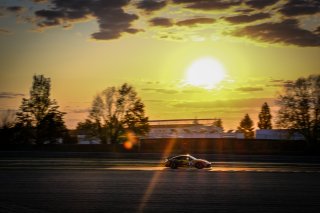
300 107
117 110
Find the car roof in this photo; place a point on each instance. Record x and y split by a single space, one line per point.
181 156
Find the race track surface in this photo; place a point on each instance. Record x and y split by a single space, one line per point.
95 185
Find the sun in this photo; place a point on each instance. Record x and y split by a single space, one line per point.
205 72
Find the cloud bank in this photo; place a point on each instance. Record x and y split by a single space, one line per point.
285 22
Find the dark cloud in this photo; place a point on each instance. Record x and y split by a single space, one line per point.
63 12
249 89
112 23
10 95
133 30
275 85
52 17
112 19
163 22
49 23
15 9
259 4
166 22
151 5
208 4
164 91
4 32
288 83
247 18
186 1
50 14
279 83
195 21
300 7
247 10
285 32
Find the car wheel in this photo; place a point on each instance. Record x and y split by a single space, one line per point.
173 165
199 165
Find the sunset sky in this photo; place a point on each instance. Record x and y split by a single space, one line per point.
85 46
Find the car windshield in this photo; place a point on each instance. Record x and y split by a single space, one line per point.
191 157
184 157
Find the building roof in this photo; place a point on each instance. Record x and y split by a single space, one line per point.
186 121
177 126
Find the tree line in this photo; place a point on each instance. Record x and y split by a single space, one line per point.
299 110
246 125
117 111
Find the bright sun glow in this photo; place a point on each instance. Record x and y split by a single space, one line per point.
206 73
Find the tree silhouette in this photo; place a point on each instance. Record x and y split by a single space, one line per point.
265 117
246 127
90 129
7 123
300 107
7 119
38 117
116 111
218 123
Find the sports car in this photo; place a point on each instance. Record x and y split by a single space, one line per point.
186 161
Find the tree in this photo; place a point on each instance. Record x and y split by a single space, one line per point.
51 127
246 127
116 111
89 128
218 123
38 117
300 107
7 123
7 119
265 117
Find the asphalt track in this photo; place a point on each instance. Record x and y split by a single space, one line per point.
151 165
127 185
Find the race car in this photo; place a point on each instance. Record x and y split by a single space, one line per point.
186 161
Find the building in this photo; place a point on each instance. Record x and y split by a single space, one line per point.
278 134
187 128
84 139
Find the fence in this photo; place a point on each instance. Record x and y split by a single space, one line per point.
179 145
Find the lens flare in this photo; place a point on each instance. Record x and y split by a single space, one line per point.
131 141
127 145
156 176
